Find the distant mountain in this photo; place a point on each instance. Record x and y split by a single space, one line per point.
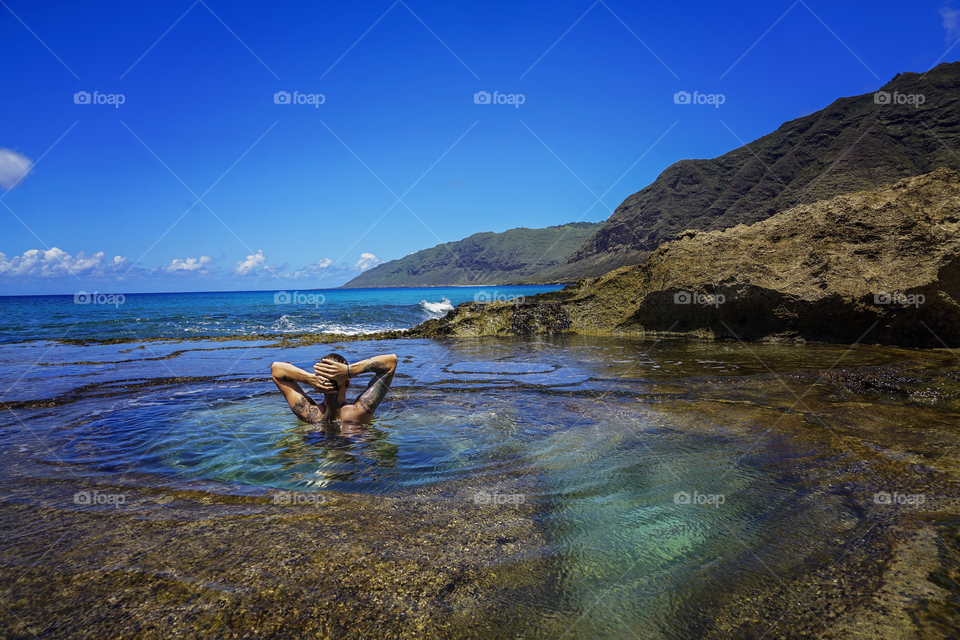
852 145
483 258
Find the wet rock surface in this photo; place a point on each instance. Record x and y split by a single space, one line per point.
174 562
808 551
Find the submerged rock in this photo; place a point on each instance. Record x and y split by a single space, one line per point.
878 266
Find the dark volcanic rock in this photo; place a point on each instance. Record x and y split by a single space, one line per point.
879 266
852 145
482 319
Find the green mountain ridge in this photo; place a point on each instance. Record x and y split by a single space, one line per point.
486 258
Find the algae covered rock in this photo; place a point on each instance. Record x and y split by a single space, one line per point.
879 266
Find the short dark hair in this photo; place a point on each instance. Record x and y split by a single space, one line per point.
331 410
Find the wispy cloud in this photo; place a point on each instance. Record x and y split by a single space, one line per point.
318 269
951 22
14 167
252 265
190 264
367 261
256 265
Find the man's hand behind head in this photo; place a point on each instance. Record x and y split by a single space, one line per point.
324 385
331 370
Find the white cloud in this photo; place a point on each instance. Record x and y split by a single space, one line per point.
53 263
367 261
190 264
56 263
951 22
245 267
14 167
317 269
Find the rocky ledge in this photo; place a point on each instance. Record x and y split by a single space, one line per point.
879 267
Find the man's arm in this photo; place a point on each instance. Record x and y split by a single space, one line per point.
382 368
286 377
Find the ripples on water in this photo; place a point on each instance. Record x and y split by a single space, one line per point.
596 435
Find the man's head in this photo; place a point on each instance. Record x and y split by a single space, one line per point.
333 400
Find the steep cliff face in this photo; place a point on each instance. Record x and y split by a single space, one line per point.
852 145
878 266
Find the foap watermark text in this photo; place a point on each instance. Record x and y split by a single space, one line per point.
884 97
97 498
294 498
496 296
315 299
695 297
516 99
912 300
116 99
115 299
513 499
714 499
884 497
716 99
282 97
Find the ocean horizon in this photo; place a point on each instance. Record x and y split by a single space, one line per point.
102 316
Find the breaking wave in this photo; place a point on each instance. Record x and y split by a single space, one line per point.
437 309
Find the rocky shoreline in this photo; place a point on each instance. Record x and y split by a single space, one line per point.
879 267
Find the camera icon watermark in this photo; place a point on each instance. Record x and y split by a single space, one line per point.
315 299
884 97
912 300
684 497
316 99
511 499
86 498
683 97
288 498
496 296
516 99
695 297
886 498
116 99
115 299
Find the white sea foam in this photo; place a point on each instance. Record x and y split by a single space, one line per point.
437 309
344 329
294 324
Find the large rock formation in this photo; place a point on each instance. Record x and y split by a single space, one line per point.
852 145
877 266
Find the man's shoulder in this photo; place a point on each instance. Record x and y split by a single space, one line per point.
354 412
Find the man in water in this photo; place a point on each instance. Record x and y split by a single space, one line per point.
331 377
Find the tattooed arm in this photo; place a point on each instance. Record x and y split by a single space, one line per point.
382 368
286 377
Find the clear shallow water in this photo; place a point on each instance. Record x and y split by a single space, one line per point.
599 438
183 315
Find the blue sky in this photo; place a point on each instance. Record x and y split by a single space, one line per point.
199 180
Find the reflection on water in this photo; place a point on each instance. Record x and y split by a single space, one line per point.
666 480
